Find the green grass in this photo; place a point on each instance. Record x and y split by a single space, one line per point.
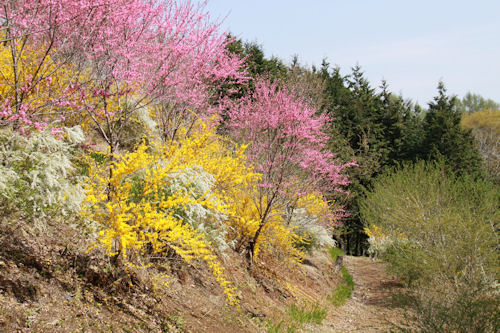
312 315
296 317
335 252
340 294
347 278
315 314
344 290
274 328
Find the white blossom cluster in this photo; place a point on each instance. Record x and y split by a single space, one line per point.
307 224
378 245
35 172
198 183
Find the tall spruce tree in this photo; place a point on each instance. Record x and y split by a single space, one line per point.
445 139
357 136
377 130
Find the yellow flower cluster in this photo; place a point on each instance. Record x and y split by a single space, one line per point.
137 211
374 231
36 81
378 233
279 239
138 204
315 205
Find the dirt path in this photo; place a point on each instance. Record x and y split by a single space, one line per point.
370 309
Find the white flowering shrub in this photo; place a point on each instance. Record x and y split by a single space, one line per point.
36 173
196 183
309 226
199 183
381 242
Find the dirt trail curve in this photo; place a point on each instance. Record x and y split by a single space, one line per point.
370 309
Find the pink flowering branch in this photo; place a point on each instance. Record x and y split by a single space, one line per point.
287 145
141 53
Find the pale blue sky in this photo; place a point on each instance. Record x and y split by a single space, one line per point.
412 44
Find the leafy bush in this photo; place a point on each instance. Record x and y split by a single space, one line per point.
37 174
444 233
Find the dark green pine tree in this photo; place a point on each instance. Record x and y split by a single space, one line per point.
445 139
390 117
375 130
413 132
356 135
337 96
256 64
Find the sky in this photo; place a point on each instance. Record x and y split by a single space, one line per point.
411 44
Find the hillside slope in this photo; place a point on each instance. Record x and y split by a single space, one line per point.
49 283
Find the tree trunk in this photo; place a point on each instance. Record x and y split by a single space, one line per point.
253 242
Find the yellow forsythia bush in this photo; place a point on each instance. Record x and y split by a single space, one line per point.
194 195
169 196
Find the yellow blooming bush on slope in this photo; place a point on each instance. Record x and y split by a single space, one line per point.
159 196
175 196
290 232
193 196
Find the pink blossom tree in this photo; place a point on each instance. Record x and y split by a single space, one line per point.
36 41
163 55
195 63
158 57
287 146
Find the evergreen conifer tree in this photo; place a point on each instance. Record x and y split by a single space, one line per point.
445 139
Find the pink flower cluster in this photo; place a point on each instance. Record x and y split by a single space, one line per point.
165 49
287 141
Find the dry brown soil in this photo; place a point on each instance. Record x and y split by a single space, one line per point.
50 283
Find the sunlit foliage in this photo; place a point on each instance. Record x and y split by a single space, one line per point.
439 233
485 126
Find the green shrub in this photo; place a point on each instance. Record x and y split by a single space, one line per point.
446 251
